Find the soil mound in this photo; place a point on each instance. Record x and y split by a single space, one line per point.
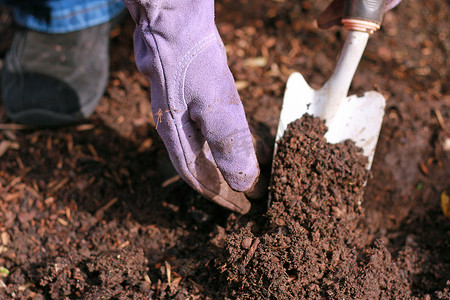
313 245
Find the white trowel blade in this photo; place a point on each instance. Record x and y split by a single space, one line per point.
356 118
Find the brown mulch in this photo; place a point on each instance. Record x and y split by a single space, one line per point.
96 211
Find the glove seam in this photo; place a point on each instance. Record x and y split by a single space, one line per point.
186 61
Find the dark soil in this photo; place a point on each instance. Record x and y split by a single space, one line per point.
96 211
313 246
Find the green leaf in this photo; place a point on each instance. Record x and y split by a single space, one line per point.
419 186
4 271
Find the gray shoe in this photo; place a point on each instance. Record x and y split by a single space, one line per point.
55 79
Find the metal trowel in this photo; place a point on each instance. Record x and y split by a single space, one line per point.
347 117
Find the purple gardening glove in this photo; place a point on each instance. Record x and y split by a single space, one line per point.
197 109
332 15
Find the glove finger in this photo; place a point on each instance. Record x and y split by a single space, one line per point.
215 188
390 4
214 105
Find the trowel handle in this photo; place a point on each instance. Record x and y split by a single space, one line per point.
363 15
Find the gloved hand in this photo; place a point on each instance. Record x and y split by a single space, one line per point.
332 15
197 109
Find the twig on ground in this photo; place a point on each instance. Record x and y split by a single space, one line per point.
250 252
